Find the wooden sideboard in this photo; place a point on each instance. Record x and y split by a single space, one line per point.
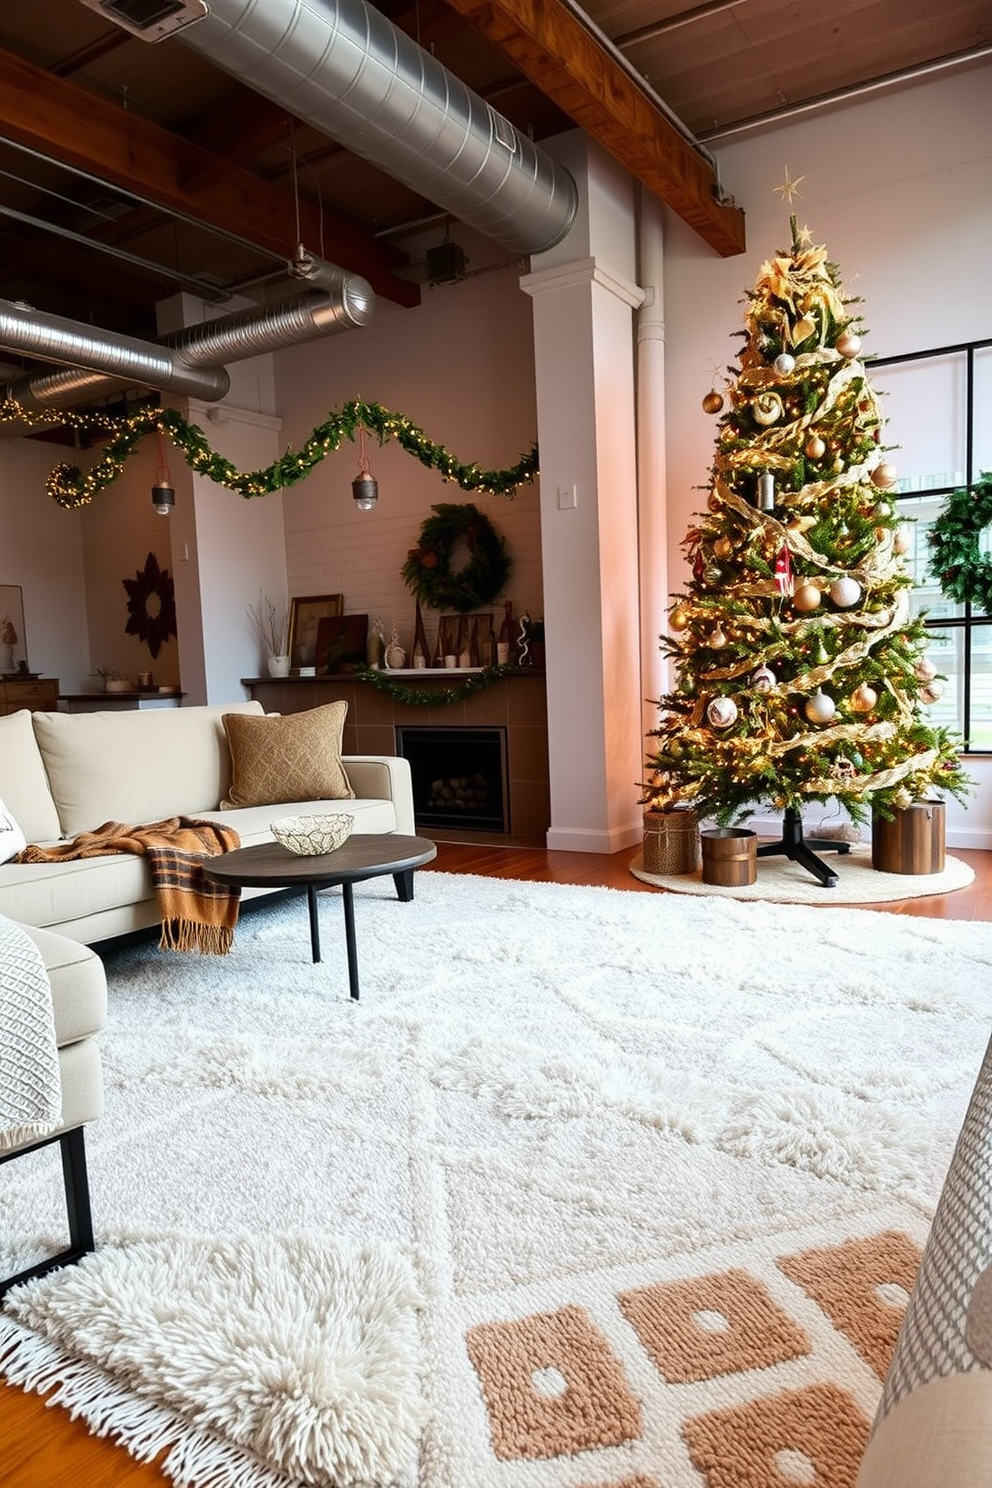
35 693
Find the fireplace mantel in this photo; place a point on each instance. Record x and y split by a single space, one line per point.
516 702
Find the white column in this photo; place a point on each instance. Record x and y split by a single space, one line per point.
584 294
651 444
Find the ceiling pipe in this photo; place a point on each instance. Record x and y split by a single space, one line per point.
189 362
343 68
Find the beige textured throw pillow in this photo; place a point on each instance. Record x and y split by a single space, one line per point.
296 757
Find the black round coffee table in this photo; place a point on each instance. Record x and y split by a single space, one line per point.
269 865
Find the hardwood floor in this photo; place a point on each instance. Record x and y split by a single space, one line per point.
43 1448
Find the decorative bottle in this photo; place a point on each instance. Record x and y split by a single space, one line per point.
504 641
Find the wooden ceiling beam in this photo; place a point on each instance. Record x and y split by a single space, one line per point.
552 47
69 124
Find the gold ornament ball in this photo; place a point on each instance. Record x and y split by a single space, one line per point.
723 547
815 447
902 541
863 698
713 402
678 620
884 475
848 343
806 597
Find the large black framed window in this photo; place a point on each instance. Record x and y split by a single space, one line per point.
938 409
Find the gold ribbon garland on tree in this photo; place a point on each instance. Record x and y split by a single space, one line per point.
72 487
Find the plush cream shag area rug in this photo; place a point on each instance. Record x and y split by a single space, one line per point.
592 1189
784 882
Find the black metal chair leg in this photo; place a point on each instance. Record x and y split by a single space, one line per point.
77 1201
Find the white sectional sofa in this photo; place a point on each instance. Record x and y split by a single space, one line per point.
62 774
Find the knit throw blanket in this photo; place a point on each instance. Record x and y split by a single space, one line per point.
196 915
30 1086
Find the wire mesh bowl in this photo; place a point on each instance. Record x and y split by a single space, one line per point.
309 836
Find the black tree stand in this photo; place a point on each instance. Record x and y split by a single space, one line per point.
793 846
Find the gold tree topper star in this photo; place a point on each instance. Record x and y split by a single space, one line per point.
789 187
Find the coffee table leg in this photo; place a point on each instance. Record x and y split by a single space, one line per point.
404 885
314 926
349 938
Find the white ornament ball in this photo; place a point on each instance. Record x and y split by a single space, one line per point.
717 638
806 597
820 708
763 680
845 592
722 712
901 541
863 698
924 670
932 693
848 343
785 364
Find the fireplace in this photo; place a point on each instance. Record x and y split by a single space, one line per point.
459 776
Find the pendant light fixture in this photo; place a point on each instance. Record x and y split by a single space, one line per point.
163 495
365 487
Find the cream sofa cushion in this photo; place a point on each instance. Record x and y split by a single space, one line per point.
23 783
135 767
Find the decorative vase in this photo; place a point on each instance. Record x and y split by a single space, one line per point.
395 656
278 666
912 842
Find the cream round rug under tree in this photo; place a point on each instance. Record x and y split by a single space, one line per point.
786 882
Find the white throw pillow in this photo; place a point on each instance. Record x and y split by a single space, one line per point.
12 839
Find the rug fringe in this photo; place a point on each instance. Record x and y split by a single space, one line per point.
196 1458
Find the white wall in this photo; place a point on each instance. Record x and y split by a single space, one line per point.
899 188
41 549
461 367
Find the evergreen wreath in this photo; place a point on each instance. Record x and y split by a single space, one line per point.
427 570
962 569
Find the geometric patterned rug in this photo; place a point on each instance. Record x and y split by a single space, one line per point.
661 1166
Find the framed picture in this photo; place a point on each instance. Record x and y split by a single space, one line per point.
13 648
341 643
305 615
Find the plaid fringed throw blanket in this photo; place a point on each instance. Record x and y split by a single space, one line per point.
196 915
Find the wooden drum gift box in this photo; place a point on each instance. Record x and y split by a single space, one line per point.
730 857
912 842
671 841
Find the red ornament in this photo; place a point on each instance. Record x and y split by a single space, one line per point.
783 571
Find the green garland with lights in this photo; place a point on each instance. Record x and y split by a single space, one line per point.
429 697
963 571
427 570
72 487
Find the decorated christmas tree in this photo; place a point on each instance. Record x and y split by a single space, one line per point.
800 674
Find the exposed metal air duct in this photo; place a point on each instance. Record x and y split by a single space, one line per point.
348 71
189 362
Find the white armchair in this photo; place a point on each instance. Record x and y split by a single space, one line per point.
79 1007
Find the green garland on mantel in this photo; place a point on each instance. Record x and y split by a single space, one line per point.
427 697
72 487
963 571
